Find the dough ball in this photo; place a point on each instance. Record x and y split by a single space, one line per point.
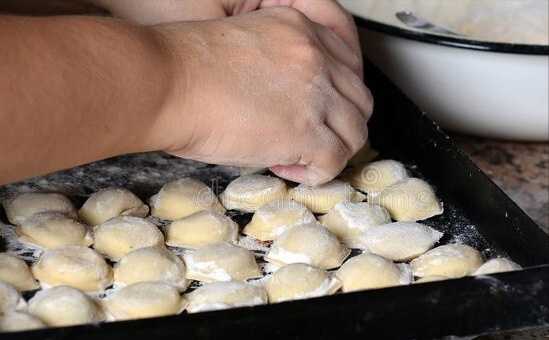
308 243
498 265
182 198
74 266
450 260
248 193
409 200
19 321
431 279
274 218
322 198
374 177
65 306
15 271
221 262
10 299
348 221
120 235
201 229
151 264
300 281
224 295
111 202
25 205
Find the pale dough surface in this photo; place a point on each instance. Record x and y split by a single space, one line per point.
25 205
201 229
374 177
450 260
321 198
223 295
16 272
248 193
19 321
10 299
497 265
111 202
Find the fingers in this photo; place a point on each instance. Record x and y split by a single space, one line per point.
339 49
352 88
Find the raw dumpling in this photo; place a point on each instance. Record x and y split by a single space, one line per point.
409 200
224 295
151 264
111 202
400 241
15 271
120 235
201 229
143 300
65 306
274 218
368 271
308 243
19 321
248 193
322 198
498 265
374 177
221 262
182 198
27 204
450 260
10 299
348 221
300 281
431 279
74 266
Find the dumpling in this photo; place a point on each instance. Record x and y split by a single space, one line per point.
400 241
111 202
151 264
10 299
201 229
221 262
19 321
182 198
322 198
374 177
409 200
224 295
308 243
65 306
348 221
369 271
27 204
300 281
74 266
15 271
120 235
450 260
248 193
431 279
274 218
498 265
143 300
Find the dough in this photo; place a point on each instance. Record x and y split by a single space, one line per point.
151 264
322 198
450 260
74 266
201 229
369 271
19 321
52 230
374 177
274 218
221 262
182 198
10 299
15 271
431 279
143 300
224 295
308 243
348 221
25 205
400 241
300 281
111 202
248 193
409 200
498 265
120 235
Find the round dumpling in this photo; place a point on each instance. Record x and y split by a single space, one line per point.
274 218
23 206
201 229
74 266
15 271
450 260
374 177
300 281
224 295
111 202
151 264
10 299
322 198
65 306
498 265
120 235
248 193
308 243
19 321
182 198
431 279
221 262
348 221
